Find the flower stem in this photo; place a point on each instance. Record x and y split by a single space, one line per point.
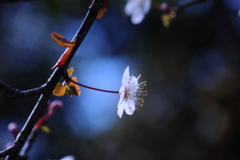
97 89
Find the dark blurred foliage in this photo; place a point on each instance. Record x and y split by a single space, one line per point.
192 69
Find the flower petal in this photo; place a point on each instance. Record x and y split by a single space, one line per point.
130 7
129 107
121 105
146 6
121 101
133 83
125 78
122 92
137 9
137 16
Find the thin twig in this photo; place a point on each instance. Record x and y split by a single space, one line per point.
187 4
178 8
13 1
14 92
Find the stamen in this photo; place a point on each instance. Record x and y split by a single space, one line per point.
143 83
140 100
139 104
141 93
139 76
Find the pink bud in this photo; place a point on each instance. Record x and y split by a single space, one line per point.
54 107
9 144
173 14
13 128
164 7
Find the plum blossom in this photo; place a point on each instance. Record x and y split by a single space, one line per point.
69 157
130 93
137 9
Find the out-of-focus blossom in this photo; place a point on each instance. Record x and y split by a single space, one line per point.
137 9
130 94
164 7
9 144
13 128
68 158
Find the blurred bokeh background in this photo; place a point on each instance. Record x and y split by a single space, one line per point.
192 69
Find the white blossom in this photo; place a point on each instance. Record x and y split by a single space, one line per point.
137 9
70 157
130 93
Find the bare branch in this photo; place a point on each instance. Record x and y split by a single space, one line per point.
14 92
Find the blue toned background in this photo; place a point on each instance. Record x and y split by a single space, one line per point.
192 70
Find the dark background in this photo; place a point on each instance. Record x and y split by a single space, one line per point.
192 69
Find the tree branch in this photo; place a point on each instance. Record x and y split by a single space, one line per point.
51 83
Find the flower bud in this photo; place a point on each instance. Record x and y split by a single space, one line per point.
164 7
9 144
54 107
13 128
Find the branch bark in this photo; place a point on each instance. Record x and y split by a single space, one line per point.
14 92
